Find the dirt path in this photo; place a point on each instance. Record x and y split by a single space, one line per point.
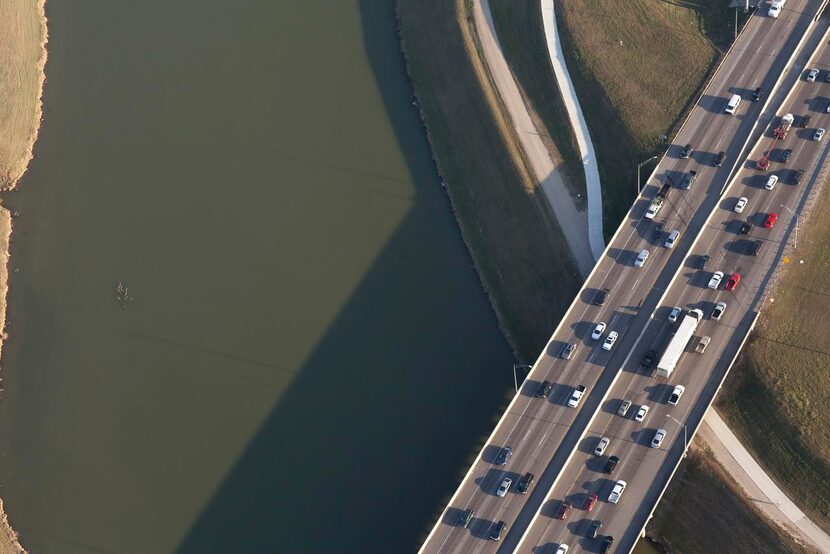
759 487
574 223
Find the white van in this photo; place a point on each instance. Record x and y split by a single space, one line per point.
733 104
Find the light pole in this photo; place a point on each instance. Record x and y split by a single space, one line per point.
515 379
638 172
685 441
795 242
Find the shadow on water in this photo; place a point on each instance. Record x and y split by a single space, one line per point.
366 444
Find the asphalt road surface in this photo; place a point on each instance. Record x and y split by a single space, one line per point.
543 431
646 469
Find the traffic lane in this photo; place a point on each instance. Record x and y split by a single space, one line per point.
638 461
649 487
493 508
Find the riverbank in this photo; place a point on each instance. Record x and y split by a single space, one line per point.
517 246
22 62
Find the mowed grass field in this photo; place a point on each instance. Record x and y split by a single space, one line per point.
703 511
637 72
777 397
518 248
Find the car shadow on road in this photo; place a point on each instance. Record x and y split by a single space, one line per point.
658 392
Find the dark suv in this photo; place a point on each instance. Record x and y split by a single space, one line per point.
504 456
785 155
606 544
496 530
719 159
544 389
648 359
759 92
798 175
756 247
611 464
686 152
465 518
600 296
804 121
524 483
593 530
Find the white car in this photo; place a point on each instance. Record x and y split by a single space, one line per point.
504 487
817 136
610 340
617 491
717 313
812 74
640 261
562 549
676 394
598 330
775 8
601 446
741 204
641 413
714 282
674 314
771 181
658 438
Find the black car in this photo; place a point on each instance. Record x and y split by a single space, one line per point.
657 231
611 464
798 175
803 121
745 228
496 530
544 389
523 485
465 518
759 92
600 296
648 359
756 247
593 530
606 544
785 155
504 456
686 152
719 159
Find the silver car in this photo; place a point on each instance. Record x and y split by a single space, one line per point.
658 438
504 487
601 446
717 313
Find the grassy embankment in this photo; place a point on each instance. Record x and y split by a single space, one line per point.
777 398
22 60
636 70
511 233
703 497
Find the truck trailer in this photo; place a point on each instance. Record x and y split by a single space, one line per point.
678 343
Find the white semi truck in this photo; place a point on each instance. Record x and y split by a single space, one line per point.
678 343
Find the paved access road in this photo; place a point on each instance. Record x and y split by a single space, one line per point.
646 469
543 431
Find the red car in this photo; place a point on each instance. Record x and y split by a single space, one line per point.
769 222
590 501
732 282
563 511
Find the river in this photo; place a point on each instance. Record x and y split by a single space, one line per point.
307 359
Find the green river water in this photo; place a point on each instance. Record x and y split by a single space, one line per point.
308 357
